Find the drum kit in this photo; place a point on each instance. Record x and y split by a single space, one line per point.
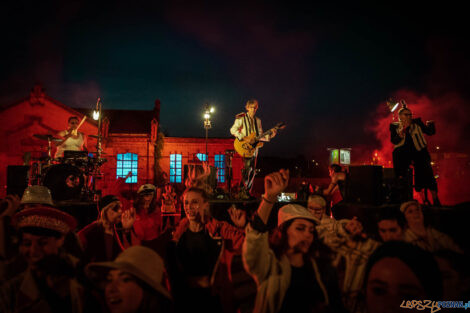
71 177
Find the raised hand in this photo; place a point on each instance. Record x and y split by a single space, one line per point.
275 183
128 218
238 216
12 204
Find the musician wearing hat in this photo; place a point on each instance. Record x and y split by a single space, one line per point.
105 238
49 280
72 139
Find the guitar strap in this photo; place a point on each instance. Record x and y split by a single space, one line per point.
256 125
246 125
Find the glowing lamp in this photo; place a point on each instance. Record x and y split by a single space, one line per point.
96 115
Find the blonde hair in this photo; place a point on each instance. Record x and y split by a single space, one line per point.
251 102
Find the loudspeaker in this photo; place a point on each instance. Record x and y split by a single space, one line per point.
211 180
396 191
17 179
364 184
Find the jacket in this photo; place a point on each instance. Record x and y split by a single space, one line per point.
272 275
417 128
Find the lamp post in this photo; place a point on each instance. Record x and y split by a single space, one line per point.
97 116
207 123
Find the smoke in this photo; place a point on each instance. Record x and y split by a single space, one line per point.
449 147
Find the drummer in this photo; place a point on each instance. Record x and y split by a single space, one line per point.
72 139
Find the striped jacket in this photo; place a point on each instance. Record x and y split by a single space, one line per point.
417 128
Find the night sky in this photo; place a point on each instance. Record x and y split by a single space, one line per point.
324 69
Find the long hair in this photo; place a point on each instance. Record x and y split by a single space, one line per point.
279 243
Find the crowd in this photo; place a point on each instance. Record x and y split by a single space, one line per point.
146 259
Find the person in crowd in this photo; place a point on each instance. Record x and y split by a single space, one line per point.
147 222
132 283
288 278
335 190
398 272
455 274
72 139
317 206
419 234
169 206
104 239
390 225
411 148
13 262
49 283
194 255
352 248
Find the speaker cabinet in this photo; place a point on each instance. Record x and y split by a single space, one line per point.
17 179
364 184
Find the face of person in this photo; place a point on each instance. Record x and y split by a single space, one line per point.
390 230
194 206
147 200
316 209
414 214
300 235
122 292
405 117
251 109
113 214
73 123
34 247
391 281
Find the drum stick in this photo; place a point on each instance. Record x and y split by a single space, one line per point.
81 122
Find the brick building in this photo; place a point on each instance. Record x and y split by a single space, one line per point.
131 143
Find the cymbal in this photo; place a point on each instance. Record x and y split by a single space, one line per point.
46 137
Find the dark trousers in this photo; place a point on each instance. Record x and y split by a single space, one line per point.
248 173
403 157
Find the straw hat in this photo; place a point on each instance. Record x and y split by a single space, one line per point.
142 262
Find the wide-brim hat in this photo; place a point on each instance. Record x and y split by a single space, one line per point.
45 217
142 262
37 194
293 211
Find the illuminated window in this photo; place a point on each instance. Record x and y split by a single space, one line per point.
219 162
202 157
175 168
126 163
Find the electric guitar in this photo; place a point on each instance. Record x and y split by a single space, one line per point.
248 145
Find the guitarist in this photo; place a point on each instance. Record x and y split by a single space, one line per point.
244 125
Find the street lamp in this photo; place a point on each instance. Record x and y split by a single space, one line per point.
207 123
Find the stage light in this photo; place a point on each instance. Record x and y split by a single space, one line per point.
212 110
207 116
96 115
